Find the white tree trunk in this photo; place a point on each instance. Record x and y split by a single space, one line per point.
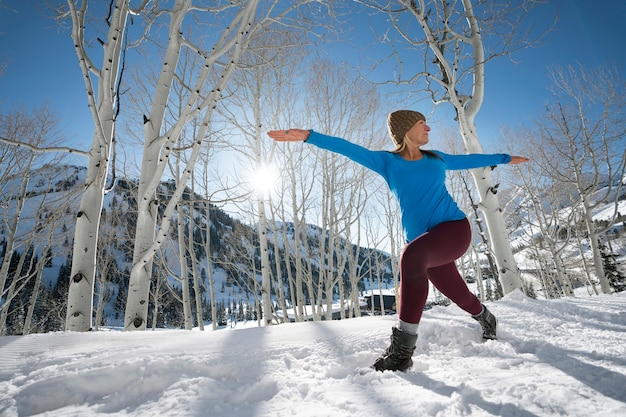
294 294
279 270
298 233
152 167
33 298
194 262
210 262
184 275
158 145
454 37
9 247
265 265
18 282
598 264
508 271
82 276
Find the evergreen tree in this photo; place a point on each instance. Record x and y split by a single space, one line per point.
529 289
63 280
48 258
120 301
617 279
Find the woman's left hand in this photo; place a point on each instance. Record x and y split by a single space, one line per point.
518 159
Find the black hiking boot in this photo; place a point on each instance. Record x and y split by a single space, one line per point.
397 357
488 322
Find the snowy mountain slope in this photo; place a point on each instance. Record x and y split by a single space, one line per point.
232 243
553 358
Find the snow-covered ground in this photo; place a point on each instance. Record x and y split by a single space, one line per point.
563 357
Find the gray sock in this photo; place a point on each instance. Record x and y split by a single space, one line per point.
481 311
410 328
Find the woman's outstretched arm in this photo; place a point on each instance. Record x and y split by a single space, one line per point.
373 160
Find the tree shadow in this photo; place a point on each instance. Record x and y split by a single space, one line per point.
606 381
469 395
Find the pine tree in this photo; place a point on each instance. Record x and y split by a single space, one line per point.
529 289
63 280
48 255
617 279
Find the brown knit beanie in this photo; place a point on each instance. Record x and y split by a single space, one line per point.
401 121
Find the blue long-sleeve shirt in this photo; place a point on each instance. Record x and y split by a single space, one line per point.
418 185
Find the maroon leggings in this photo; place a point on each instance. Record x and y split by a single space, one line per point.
431 257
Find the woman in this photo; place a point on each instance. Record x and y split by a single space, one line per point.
436 230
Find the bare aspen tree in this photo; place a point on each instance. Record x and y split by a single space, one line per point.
301 185
22 274
265 262
15 193
144 82
465 195
297 188
354 268
347 257
217 61
30 309
260 91
374 237
101 85
209 268
207 183
53 203
106 266
294 236
243 265
195 224
547 227
391 220
203 180
278 261
36 229
19 132
263 95
183 277
292 243
162 288
366 193
472 258
30 214
451 36
184 234
371 194
311 257
584 128
344 106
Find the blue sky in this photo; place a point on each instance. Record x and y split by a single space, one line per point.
42 65
589 33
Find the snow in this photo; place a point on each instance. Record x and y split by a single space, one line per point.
553 358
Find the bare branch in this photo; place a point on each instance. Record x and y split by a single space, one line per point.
44 150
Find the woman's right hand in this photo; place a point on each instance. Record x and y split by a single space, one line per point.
290 135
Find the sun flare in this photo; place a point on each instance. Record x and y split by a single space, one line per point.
263 179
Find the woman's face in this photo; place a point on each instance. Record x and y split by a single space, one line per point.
418 134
